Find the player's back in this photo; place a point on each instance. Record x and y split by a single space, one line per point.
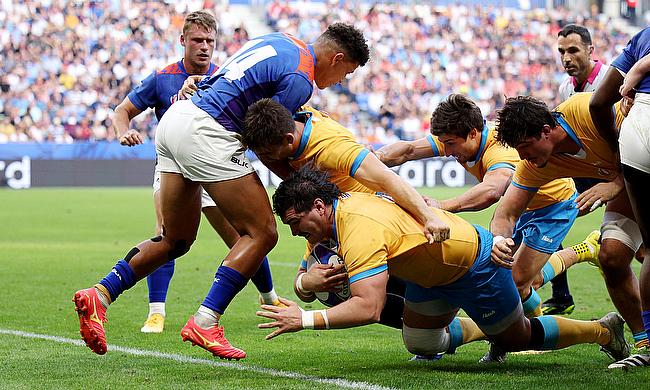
276 66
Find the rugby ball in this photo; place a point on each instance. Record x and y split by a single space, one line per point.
323 255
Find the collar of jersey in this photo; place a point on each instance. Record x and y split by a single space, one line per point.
484 136
306 132
567 128
590 79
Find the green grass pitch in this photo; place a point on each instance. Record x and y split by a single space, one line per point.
55 241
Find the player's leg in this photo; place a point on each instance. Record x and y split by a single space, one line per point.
634 144
619 241
430 326
542 232
244 203
391 314
181 216
158 281
262 279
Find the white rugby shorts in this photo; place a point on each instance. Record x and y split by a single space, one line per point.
206 200
190 142
634 138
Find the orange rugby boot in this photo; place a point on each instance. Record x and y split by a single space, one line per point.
212 340
92 315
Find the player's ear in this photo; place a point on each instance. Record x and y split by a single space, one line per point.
182 40
290 138
338 57
590 50
546 130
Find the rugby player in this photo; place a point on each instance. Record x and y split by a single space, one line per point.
375 238
158 91
199 145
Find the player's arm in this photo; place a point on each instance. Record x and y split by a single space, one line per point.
601 106
378 177
634 76
503 223
122 116
403 151
368 296
483 195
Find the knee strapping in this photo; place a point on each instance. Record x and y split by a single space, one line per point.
536 334
425 341
621 228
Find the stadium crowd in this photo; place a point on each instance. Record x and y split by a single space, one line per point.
66 65
484 53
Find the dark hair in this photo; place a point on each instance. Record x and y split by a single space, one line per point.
302 188
266 123
200 18
520 118
585 37
456 115
349 40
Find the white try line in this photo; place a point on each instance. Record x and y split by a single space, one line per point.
190 360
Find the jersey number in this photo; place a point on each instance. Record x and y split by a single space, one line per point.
243 60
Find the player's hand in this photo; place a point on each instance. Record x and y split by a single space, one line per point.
431 202
324 277
435 230
598 195
286 319
626 105
502 252
189 87
131 138
627 88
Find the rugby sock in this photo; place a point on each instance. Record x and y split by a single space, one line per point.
645 314
158 282
555 332
227 283
584 252
120 279
462 331
640 340
262 278
532 304
157 308
553 267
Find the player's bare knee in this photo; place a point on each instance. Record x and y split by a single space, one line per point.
179 247
612 259
425 341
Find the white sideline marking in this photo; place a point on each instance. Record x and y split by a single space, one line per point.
187 359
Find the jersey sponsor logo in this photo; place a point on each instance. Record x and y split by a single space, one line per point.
241 163
488 314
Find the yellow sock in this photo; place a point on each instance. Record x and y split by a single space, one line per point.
572 332
553 267
471 331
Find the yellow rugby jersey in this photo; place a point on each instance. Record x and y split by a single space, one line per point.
594 160
493 155
374 234
332 148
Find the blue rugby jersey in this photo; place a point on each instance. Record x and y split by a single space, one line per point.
276 66
637 48
159 89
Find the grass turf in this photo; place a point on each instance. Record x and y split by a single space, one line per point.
55 241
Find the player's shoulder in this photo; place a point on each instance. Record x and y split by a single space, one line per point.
175 68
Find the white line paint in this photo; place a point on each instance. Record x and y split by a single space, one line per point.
190 360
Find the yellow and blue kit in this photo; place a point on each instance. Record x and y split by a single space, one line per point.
374 235
551 212
594 160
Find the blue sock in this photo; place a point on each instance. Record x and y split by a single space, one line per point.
550 330
646 322
531 303
227 283
158 282
120 279
455 335
548 272
262 278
